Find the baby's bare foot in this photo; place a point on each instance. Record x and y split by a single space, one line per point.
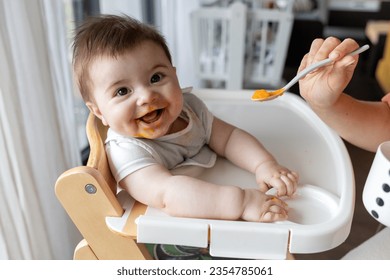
260 207
275 210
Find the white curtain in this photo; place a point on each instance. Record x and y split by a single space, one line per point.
176 27
132 8
37 130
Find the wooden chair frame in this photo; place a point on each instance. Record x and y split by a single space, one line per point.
88 194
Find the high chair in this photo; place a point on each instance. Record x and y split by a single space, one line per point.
114 226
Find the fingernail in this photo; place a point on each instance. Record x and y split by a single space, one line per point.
334 55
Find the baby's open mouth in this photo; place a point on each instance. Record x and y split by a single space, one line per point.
151 116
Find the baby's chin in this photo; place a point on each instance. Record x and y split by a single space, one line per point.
151 133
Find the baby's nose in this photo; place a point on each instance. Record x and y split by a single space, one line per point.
145 96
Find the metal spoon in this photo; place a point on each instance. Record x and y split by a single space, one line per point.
264 95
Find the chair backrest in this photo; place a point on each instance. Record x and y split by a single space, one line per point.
96 133
88 194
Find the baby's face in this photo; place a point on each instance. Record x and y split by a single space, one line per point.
137 94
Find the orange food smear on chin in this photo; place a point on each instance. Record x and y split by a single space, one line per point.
145 133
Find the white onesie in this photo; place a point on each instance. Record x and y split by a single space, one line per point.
186 147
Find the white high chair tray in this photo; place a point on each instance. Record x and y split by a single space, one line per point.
320 213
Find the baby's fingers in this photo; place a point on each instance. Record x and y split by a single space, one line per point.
291 181
286 184
263 187
293 176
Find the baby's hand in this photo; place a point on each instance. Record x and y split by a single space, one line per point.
259 207
272 175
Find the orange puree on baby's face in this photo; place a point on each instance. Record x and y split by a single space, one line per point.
145 133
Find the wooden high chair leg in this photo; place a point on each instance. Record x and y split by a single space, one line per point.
84 252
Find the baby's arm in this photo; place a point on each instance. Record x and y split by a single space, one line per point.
247 152
364 124
186 196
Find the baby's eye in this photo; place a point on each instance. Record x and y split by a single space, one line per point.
122 91
155 78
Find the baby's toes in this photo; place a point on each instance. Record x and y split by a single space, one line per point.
275 210
272 216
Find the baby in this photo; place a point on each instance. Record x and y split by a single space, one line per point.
125 75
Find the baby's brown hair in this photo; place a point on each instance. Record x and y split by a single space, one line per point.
108 35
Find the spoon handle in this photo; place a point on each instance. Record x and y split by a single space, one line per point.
318 65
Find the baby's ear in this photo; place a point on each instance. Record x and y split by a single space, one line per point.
95 110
